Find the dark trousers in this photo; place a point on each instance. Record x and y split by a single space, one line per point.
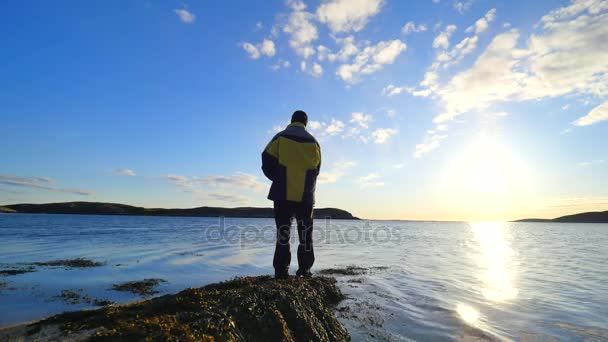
284 211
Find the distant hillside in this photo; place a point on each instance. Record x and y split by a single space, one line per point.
591 217
96 208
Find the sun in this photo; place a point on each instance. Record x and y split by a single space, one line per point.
486 175
485 180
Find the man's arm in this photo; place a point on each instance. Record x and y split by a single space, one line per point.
270 158
319 166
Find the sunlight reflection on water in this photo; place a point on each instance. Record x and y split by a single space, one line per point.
496 260
437 281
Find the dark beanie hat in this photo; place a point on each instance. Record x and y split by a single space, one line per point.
299 116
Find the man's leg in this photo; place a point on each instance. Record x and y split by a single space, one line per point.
283 214
306 254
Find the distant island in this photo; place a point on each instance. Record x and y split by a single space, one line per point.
98 208
590 217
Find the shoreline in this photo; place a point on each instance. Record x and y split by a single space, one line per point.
247 308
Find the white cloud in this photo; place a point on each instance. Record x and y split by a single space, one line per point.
280 64
347 50
301 30
265 48
565 55
382 135
443 39
597 114
317 70
369 180
462 6
444 59
336 172
348 15
410 27
252 50
371 59
314 125
259 25
361 119
431 142
482 24
39 183
322 52
185 16
335 127
124 172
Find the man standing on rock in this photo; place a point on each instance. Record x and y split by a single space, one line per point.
292 160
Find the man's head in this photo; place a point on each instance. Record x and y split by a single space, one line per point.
299 116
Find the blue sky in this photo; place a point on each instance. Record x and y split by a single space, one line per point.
480 110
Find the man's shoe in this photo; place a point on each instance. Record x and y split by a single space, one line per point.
281 274
304 274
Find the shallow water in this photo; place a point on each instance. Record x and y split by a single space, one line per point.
427 280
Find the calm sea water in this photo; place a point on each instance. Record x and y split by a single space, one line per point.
426 280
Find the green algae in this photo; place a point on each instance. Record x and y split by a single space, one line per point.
16 271
71 263
146 287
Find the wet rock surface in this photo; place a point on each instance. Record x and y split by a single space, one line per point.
244 309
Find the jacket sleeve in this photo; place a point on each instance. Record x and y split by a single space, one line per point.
319 166
270 158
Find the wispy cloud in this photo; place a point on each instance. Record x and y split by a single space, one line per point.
335 173
228 198
571 205
185 16
369 180
462 6
39 183
361 119
371 59
335 127
590 162
411 27
239 180
505 71
597 114
265 48
382 135
124 172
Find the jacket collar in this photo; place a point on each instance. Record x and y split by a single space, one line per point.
296 124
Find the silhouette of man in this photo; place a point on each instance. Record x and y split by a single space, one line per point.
292 160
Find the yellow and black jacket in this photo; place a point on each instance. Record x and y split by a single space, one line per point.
292 160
